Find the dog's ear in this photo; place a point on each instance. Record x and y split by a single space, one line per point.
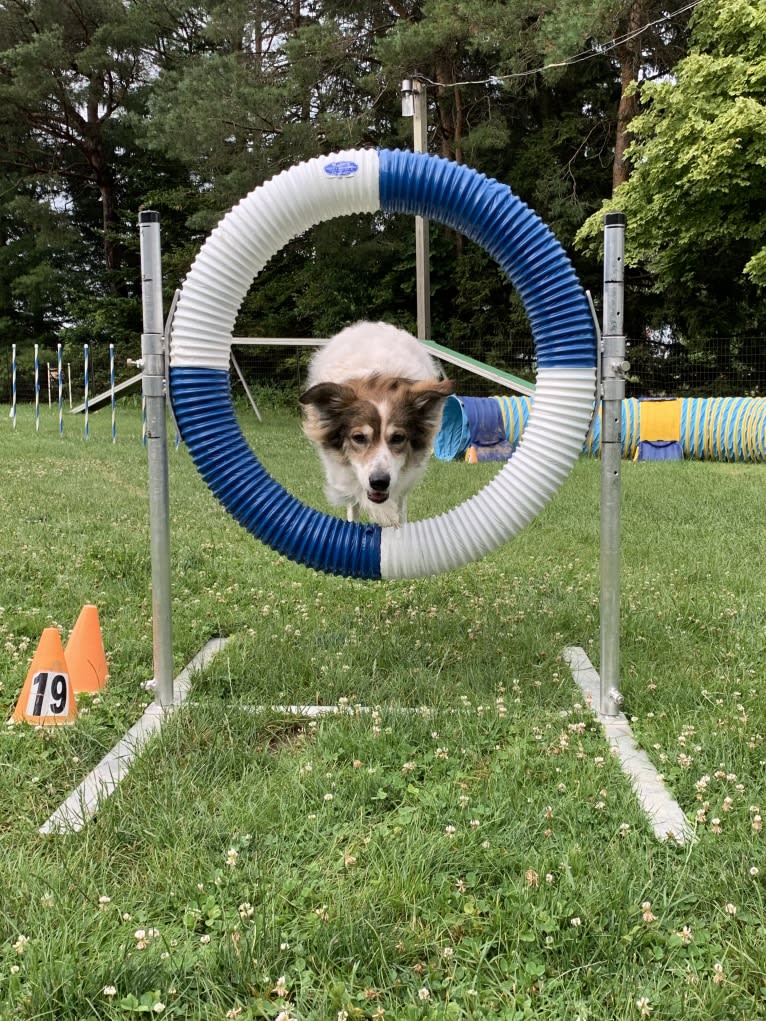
427 395
329 398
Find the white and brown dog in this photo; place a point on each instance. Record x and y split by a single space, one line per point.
372 409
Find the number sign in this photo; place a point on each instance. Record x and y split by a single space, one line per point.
48 695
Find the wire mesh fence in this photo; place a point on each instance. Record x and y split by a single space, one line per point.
658 369
279 369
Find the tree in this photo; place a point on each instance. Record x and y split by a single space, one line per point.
264 86
696 197
34 255
67 71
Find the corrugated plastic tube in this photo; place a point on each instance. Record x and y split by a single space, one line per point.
356 181
712 428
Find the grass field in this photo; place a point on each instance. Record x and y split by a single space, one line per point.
467 849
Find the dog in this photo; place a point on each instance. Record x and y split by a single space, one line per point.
372 409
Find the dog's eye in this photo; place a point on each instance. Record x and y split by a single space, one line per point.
396 439
358 437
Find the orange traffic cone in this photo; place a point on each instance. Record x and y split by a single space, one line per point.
85 654
47 697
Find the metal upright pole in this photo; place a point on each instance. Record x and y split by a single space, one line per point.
613 368
153 386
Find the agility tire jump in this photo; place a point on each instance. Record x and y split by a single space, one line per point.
365 181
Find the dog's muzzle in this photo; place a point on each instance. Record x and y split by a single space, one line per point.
378 491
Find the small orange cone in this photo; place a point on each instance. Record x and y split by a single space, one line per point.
85 654
47 697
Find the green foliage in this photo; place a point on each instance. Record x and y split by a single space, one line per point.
696 199
34 283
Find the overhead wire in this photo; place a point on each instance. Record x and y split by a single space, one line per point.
598 50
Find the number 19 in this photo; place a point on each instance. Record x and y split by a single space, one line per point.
47 699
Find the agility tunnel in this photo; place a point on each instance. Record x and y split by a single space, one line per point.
703 428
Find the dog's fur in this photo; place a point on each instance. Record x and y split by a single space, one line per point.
372 409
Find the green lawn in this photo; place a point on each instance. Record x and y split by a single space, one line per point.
466 846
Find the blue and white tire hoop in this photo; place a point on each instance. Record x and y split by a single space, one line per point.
364 181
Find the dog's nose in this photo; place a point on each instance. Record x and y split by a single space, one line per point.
380 483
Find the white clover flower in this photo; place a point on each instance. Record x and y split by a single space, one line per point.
280 989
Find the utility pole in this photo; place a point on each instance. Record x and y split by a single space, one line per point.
414 105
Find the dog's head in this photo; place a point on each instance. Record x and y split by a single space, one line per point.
379 425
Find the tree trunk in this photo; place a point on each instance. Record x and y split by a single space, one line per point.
103 177
449 106
112 247
629 56
451 125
